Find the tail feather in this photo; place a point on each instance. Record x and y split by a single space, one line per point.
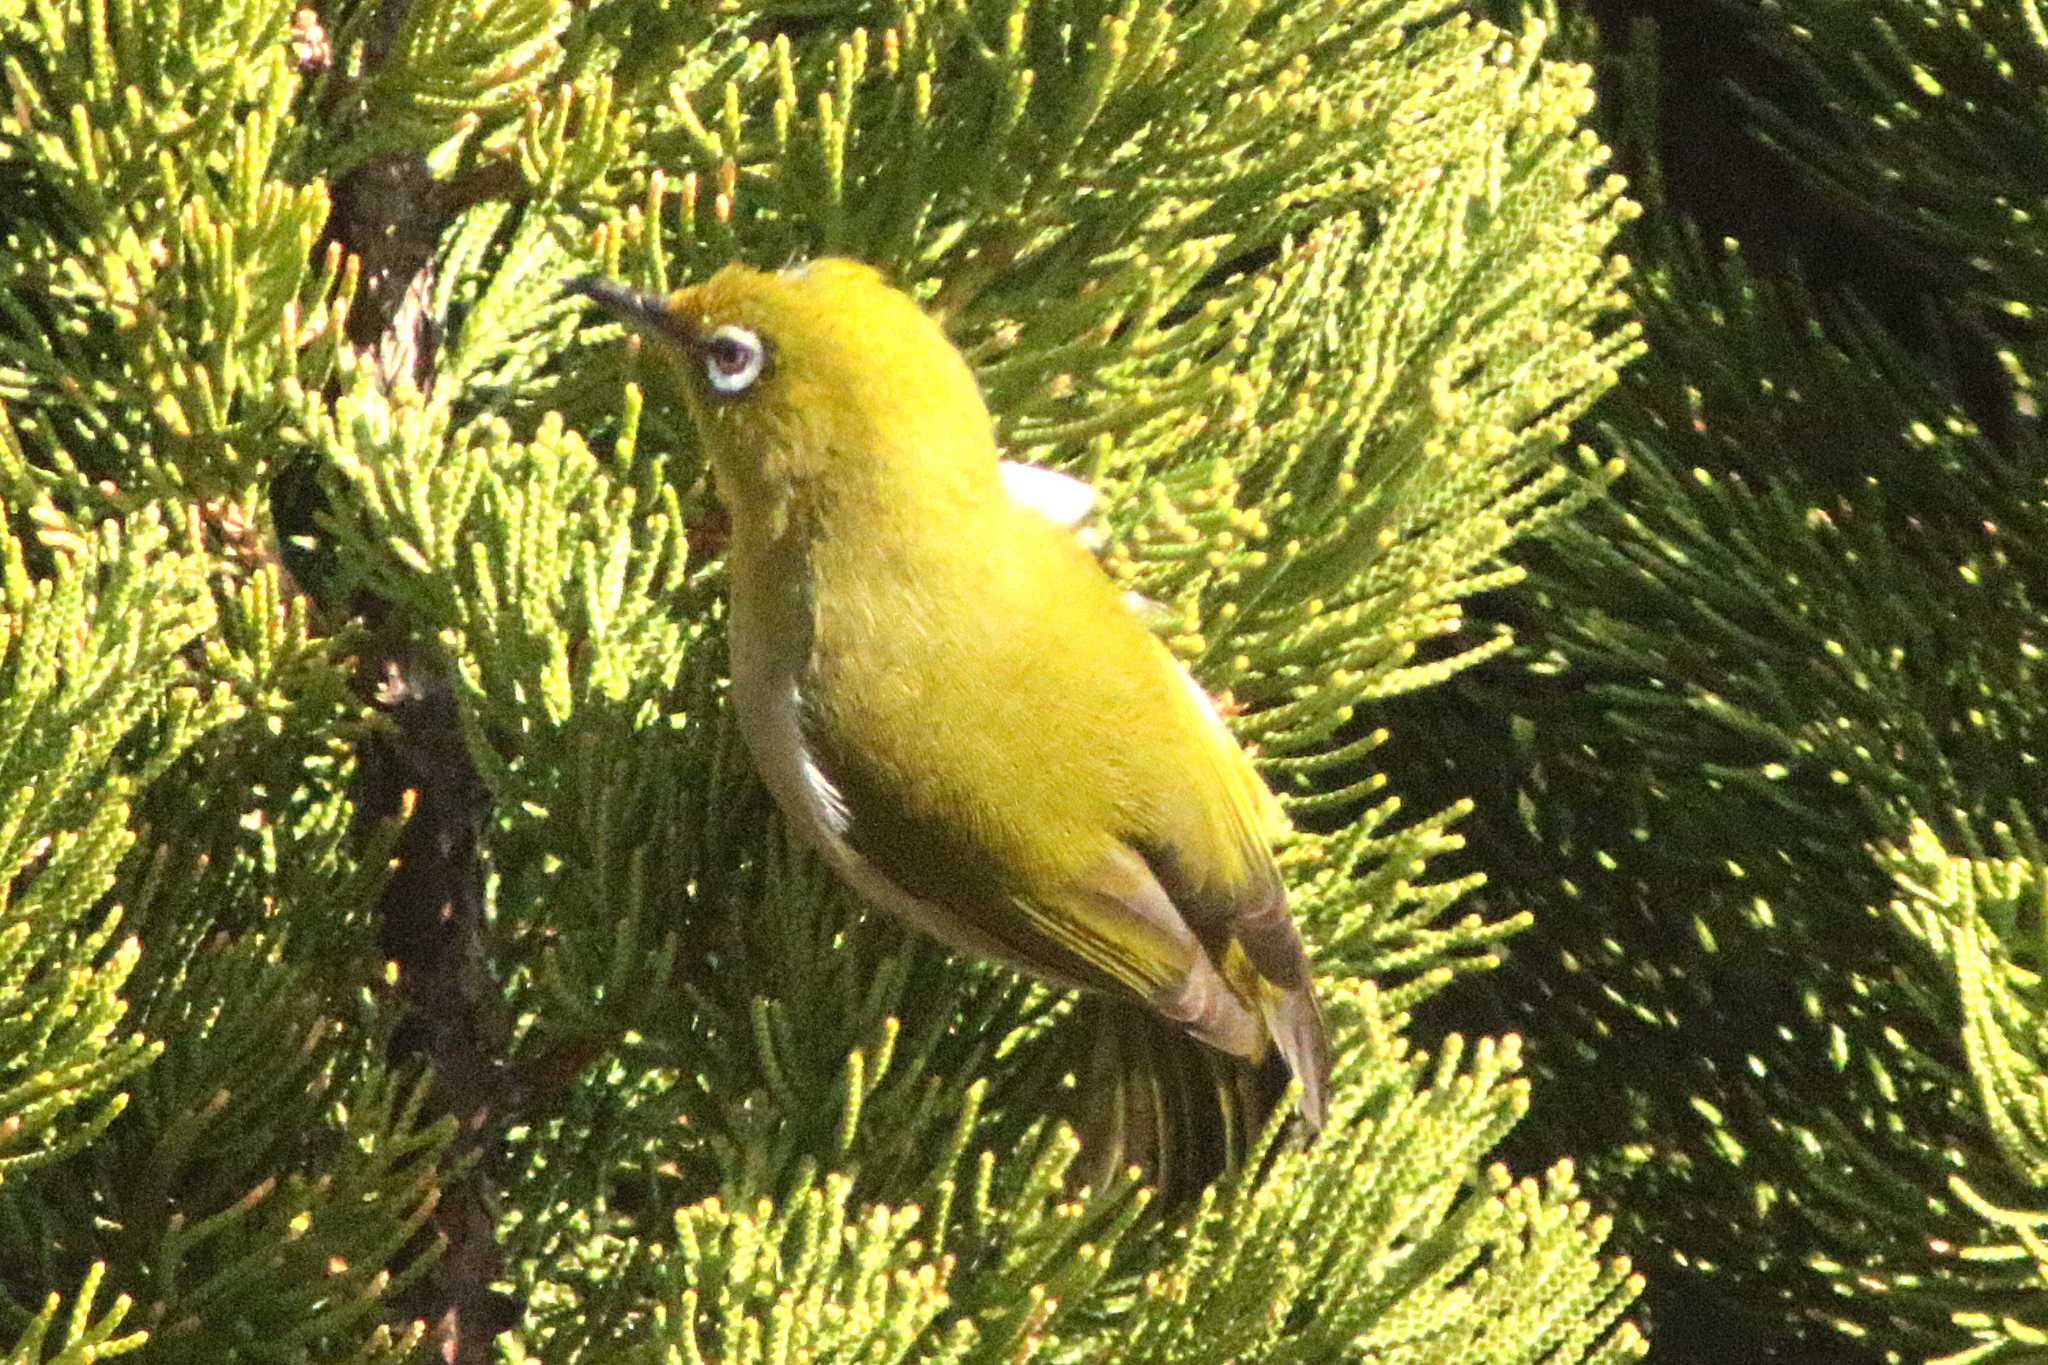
1152 1097
1260 966
1303 1042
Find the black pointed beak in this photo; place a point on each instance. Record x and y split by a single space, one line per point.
636 308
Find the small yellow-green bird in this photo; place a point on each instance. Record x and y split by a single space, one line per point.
943 690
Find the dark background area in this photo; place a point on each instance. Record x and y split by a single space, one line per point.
1719 174
1716 171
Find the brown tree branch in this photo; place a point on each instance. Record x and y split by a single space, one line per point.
390 213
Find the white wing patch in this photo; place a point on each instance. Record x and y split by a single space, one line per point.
828 807
1204 700
1060 498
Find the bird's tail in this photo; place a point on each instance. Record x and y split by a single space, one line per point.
1150 1096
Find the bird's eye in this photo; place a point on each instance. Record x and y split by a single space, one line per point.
733 359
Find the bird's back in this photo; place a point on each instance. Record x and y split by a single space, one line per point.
1074 700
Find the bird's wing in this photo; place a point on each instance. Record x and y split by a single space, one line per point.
1213 859
1109 927
1208 944
1241 916
1112 927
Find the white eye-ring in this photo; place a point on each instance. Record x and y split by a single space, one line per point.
733 359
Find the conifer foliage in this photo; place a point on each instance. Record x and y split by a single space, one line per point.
400 958
1777 735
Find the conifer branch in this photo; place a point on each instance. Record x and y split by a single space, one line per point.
430 918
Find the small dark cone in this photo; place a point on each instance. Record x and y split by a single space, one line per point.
1152 1097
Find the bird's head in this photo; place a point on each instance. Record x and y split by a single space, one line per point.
823 375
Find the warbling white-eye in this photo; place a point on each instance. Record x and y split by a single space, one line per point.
943 690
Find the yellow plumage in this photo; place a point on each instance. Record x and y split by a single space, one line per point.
945 692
